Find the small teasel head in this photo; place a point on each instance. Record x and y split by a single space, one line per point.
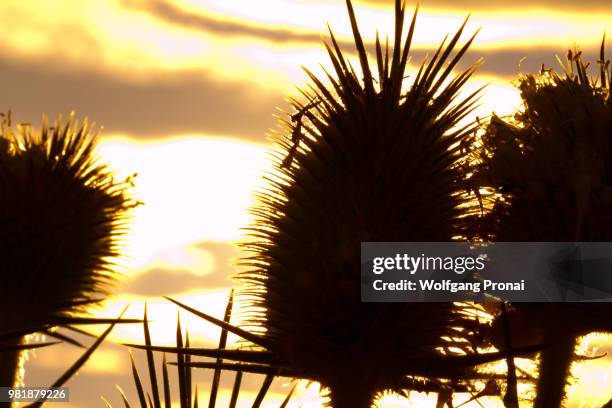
62 217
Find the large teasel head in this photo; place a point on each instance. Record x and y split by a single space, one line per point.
62 215
548 171
371 157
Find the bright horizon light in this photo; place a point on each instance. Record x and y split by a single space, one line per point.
192 189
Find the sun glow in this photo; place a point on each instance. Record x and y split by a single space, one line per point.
192 190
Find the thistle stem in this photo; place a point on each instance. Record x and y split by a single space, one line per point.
9 367
9 359
350 396
511 397
554 370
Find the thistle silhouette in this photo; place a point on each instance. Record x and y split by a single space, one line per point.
369 159
550 169
61 217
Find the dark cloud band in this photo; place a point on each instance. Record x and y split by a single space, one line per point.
185 102
170 13
173 14
173 103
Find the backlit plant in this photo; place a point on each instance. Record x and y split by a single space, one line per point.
61 219
371 157
550 171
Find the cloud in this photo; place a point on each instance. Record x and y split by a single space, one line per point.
175 103
501 62
182 101
188 102
225 253
169 12
584 6
166 282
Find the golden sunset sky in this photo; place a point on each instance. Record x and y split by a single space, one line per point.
186 91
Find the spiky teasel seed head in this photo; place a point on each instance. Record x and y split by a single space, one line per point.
368 160
549 167
61 219
549 172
